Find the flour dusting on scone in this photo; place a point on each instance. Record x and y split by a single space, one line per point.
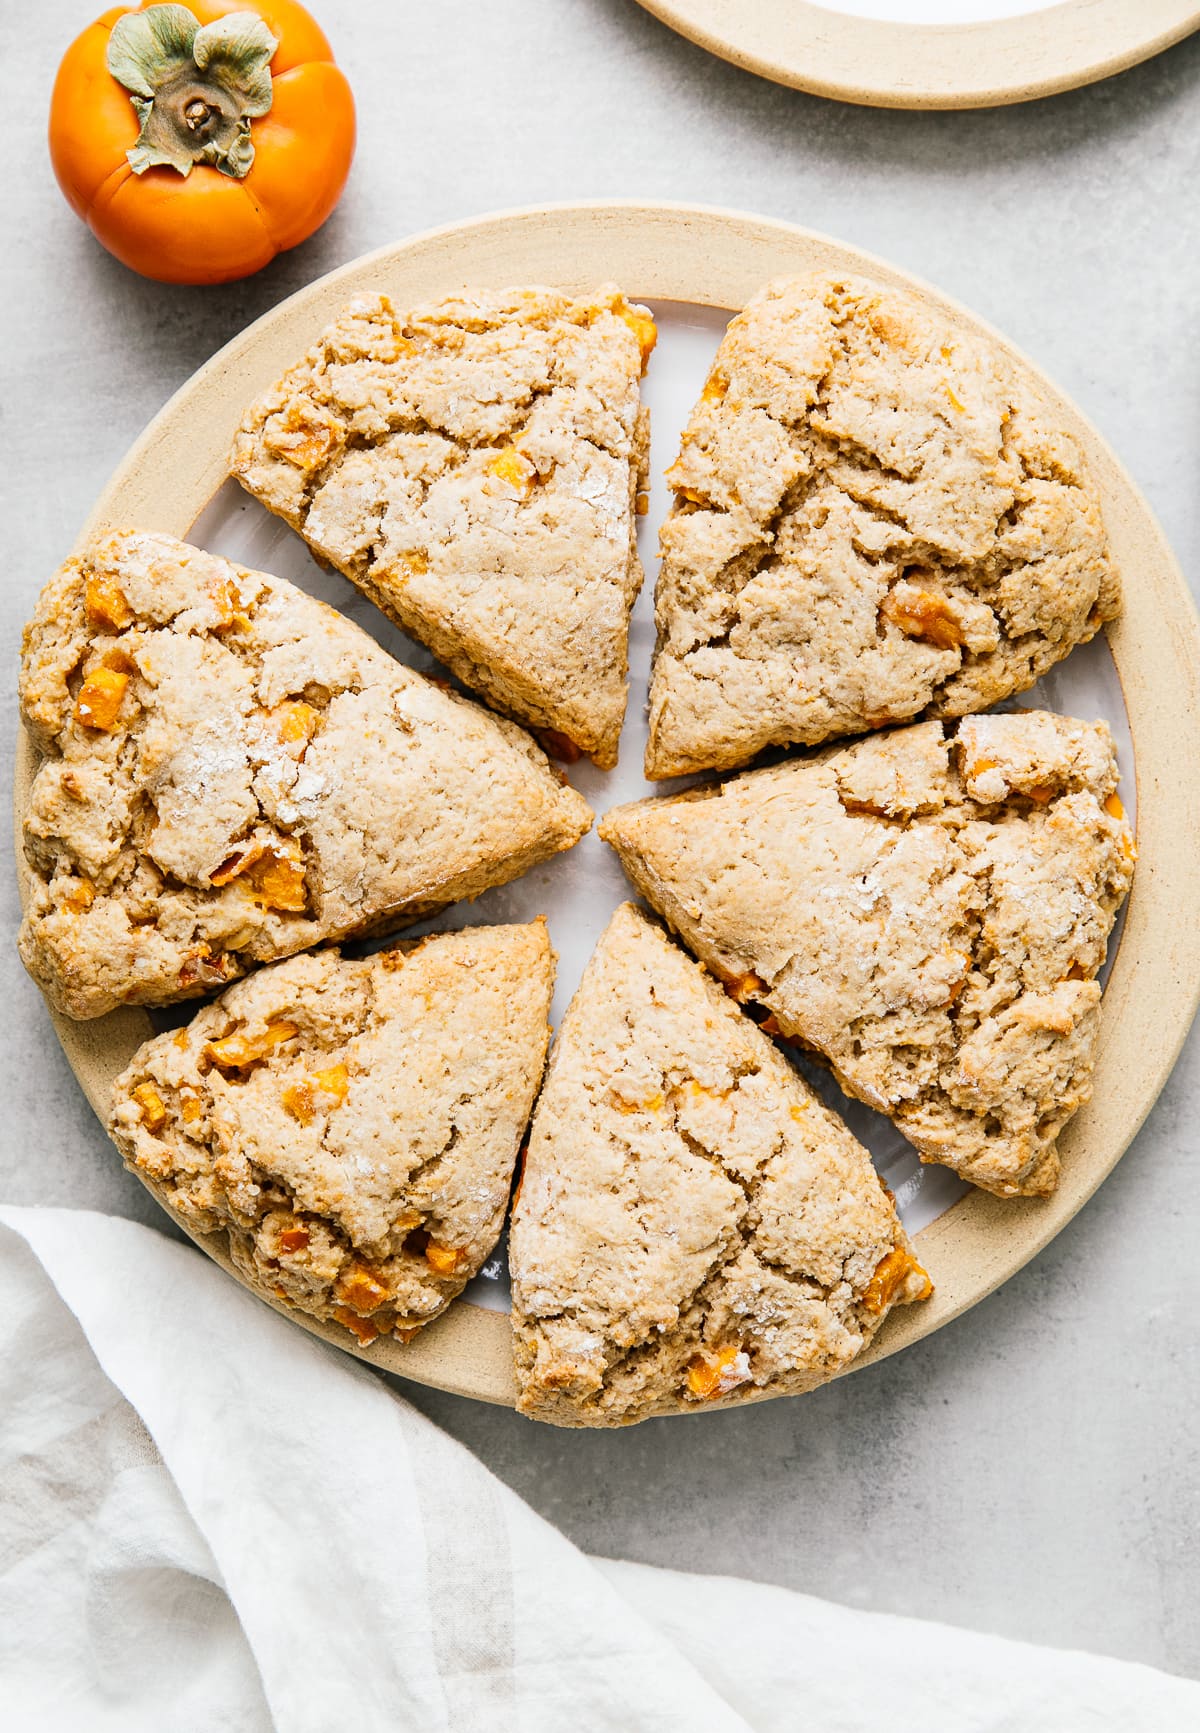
927 908
876 518
233 772
351 1126
692 1222
476 467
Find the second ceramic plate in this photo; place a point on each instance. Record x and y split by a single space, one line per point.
932 53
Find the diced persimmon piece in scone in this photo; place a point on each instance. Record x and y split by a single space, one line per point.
926 908
693 1223
474 466
359 1154
877 516
266 778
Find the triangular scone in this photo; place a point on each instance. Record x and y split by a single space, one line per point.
928 913
474 466
351 1126
875 517
234 772
692 1221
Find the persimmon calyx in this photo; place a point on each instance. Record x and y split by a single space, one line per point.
195 88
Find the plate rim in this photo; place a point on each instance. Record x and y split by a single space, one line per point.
879 64
652 247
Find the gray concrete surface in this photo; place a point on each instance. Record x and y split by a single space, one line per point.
1035 1468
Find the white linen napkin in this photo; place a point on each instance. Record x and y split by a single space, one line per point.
209 1520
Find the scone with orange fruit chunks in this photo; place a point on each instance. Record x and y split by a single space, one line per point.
475 465
233 772
928 909
351 1127
692 1222
877 517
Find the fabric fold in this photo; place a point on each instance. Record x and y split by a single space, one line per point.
210 1519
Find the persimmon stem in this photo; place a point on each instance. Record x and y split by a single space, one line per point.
194 88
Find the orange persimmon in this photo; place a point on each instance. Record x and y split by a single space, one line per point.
198 141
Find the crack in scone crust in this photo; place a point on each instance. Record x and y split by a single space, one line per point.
692 1222
233 772
927 909
474 465
875 519
351 1126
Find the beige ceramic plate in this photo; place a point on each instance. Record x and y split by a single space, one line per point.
716 259
914 65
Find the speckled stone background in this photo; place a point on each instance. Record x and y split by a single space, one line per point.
1035 1468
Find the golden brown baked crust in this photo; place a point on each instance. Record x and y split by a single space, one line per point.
350 1126
875 518
692 1222
474 466
234 772
929 913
